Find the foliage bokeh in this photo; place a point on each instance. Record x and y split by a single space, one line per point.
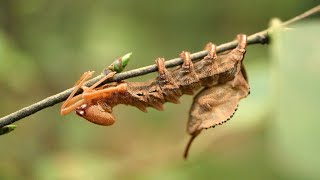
46 45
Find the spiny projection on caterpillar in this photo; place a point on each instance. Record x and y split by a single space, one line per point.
222 77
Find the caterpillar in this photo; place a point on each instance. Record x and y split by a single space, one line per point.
222 77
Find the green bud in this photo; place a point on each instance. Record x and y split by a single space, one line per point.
119 64
7 129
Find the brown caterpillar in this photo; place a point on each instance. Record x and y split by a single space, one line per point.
222 77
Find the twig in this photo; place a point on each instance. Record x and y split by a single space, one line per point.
257 38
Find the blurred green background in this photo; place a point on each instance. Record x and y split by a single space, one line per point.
46 45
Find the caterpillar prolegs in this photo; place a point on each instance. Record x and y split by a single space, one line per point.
222 78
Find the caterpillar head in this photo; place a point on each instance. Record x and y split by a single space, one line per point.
95 114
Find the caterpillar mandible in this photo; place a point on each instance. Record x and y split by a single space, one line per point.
222 77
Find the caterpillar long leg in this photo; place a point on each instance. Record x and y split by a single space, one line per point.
82 105
90 104
71 103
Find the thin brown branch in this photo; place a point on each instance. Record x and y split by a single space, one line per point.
257 38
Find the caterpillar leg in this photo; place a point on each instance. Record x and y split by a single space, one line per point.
208 67
237 54
212 51
107 76
187 76
90 93
170 89
243 41
228 61
72 101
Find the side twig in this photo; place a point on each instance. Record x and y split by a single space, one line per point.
257 38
